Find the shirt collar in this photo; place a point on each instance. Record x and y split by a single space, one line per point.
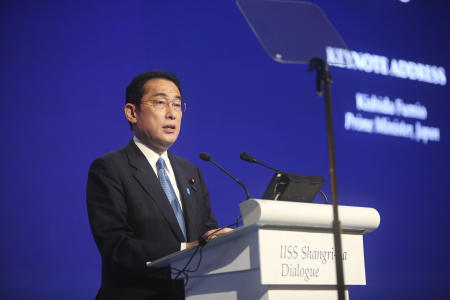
151 156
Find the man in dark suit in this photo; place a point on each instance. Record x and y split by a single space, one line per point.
144 202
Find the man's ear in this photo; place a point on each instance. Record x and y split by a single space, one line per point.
130 112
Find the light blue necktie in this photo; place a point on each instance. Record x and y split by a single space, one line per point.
170 193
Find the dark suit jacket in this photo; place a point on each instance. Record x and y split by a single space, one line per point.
132 220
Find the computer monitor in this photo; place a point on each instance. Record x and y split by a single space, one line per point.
293 187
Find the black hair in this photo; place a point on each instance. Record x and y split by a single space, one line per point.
136 90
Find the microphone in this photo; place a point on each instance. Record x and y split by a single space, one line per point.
207 157
248 157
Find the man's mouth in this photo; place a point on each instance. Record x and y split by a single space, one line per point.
169 128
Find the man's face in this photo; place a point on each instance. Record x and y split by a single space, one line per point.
157 128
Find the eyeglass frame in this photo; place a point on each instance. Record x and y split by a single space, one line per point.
182 107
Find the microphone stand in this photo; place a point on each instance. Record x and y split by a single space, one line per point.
323 79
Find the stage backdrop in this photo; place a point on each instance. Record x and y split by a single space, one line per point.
64 69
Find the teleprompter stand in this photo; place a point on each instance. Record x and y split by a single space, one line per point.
323 81
299 33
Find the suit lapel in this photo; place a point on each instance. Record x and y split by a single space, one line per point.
146 177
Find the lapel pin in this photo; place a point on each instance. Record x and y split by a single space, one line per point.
188 191
192 182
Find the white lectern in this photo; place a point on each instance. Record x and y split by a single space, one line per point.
285 250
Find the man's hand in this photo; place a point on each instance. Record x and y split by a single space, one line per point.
191 244
213 233
209 235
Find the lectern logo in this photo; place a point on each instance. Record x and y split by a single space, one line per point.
296 270
304 262
289 252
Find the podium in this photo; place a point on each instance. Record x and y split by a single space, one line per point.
284 250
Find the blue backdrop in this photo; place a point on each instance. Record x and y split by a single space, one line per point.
64 69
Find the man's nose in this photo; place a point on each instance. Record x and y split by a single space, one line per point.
170 111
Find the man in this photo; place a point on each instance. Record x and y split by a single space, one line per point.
144 202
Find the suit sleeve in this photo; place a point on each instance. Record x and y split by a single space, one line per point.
109 220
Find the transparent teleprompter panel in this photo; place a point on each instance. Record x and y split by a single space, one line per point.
292 31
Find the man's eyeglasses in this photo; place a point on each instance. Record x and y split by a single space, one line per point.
162 104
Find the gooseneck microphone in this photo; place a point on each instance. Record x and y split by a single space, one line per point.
207 157
248 157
